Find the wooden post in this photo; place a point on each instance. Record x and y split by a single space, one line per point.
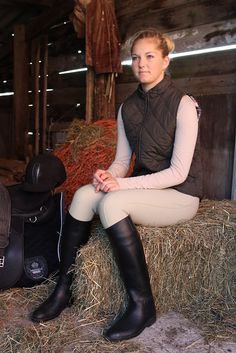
233 192
35 84
21 77
104 106
89 95
44 93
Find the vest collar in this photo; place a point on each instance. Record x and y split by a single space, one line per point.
156 90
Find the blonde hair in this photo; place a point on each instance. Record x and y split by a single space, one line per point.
163 41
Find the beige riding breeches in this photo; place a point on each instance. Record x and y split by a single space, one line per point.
145 207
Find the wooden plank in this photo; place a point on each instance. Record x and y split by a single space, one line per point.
233 190
64 81
205 36
217 127
21 75
44 92
89 95
70 96
205 85
44 3
208 85
65 62
35 83
49 18
172 18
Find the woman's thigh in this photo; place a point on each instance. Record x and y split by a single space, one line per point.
147 207
85 202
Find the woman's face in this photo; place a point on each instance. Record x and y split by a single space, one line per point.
148 64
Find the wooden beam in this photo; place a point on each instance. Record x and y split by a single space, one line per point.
47 3
89 95
44 92
49 18
21 75
233 191
166 17
35 84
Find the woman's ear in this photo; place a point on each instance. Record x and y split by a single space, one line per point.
166 61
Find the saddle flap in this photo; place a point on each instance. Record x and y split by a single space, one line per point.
12 261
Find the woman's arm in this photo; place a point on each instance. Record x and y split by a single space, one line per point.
106 180
121 163
184 145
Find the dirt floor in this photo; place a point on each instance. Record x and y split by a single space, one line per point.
70 333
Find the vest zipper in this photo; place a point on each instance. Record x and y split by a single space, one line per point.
141 128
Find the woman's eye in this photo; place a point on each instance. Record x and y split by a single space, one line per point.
134 58
150 56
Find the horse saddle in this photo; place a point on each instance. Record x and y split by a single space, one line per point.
19 211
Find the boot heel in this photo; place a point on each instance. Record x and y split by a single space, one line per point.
151 321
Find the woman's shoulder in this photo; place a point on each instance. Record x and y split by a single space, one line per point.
188 103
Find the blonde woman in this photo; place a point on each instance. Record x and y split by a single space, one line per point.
158 124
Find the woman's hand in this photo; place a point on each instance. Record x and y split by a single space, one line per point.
104 181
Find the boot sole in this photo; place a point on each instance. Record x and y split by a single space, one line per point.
149 323
52 317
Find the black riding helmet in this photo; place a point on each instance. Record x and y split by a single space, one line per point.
44 173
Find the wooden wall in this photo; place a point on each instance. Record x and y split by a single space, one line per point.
211 77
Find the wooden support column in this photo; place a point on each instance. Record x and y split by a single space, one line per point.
35 57
21 77
233 192
44 93
89 95
104 105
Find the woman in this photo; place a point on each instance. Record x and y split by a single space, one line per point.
159 125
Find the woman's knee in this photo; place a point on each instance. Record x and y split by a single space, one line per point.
110 209
83 194
84 202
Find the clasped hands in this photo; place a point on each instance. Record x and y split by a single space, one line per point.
104 181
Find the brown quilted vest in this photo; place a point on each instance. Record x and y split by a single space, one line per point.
150 123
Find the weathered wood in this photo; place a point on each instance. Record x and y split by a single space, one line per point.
217 144
104 106
46 3
44 93
49 18
69 96
36 86
233 189
21 76
208 85
170 16
205 36
89 95
65 62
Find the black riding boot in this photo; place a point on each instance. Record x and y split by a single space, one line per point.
74 234
129 255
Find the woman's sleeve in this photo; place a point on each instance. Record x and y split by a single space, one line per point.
121 163
184 145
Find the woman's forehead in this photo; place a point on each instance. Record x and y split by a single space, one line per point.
145 44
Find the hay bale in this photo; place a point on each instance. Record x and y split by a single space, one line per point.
192 265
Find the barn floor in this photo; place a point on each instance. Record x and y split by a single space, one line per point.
172 333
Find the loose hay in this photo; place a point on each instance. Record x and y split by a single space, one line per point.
192 270
87 148
192 266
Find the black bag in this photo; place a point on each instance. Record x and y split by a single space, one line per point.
32 253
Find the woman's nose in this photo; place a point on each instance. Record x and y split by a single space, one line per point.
141 62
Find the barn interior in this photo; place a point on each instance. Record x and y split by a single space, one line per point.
47 87
45 82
